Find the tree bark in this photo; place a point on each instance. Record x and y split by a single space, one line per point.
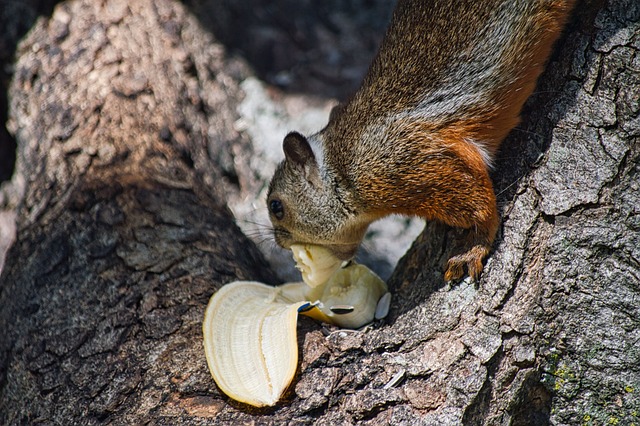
124 112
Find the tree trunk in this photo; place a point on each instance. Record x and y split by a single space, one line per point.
124 115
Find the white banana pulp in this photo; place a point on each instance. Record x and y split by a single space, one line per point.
355 286
316 263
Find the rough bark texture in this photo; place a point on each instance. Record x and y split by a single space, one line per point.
124 114
120 241
15 20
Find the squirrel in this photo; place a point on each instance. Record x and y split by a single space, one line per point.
419 136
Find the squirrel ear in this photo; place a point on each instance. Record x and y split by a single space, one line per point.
297 150
299 154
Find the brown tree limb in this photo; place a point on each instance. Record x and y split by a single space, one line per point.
124 116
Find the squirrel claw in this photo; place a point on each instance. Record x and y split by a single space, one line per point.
472 259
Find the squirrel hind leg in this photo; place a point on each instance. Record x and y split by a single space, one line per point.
472 259
475 247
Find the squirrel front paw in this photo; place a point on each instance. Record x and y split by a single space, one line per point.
472 259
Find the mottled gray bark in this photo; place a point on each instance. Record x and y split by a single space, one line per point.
124 115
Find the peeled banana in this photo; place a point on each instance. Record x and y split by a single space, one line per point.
249 328
350 297
316 263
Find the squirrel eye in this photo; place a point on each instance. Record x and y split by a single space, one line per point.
277 209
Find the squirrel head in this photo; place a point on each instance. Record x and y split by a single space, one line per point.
309 203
